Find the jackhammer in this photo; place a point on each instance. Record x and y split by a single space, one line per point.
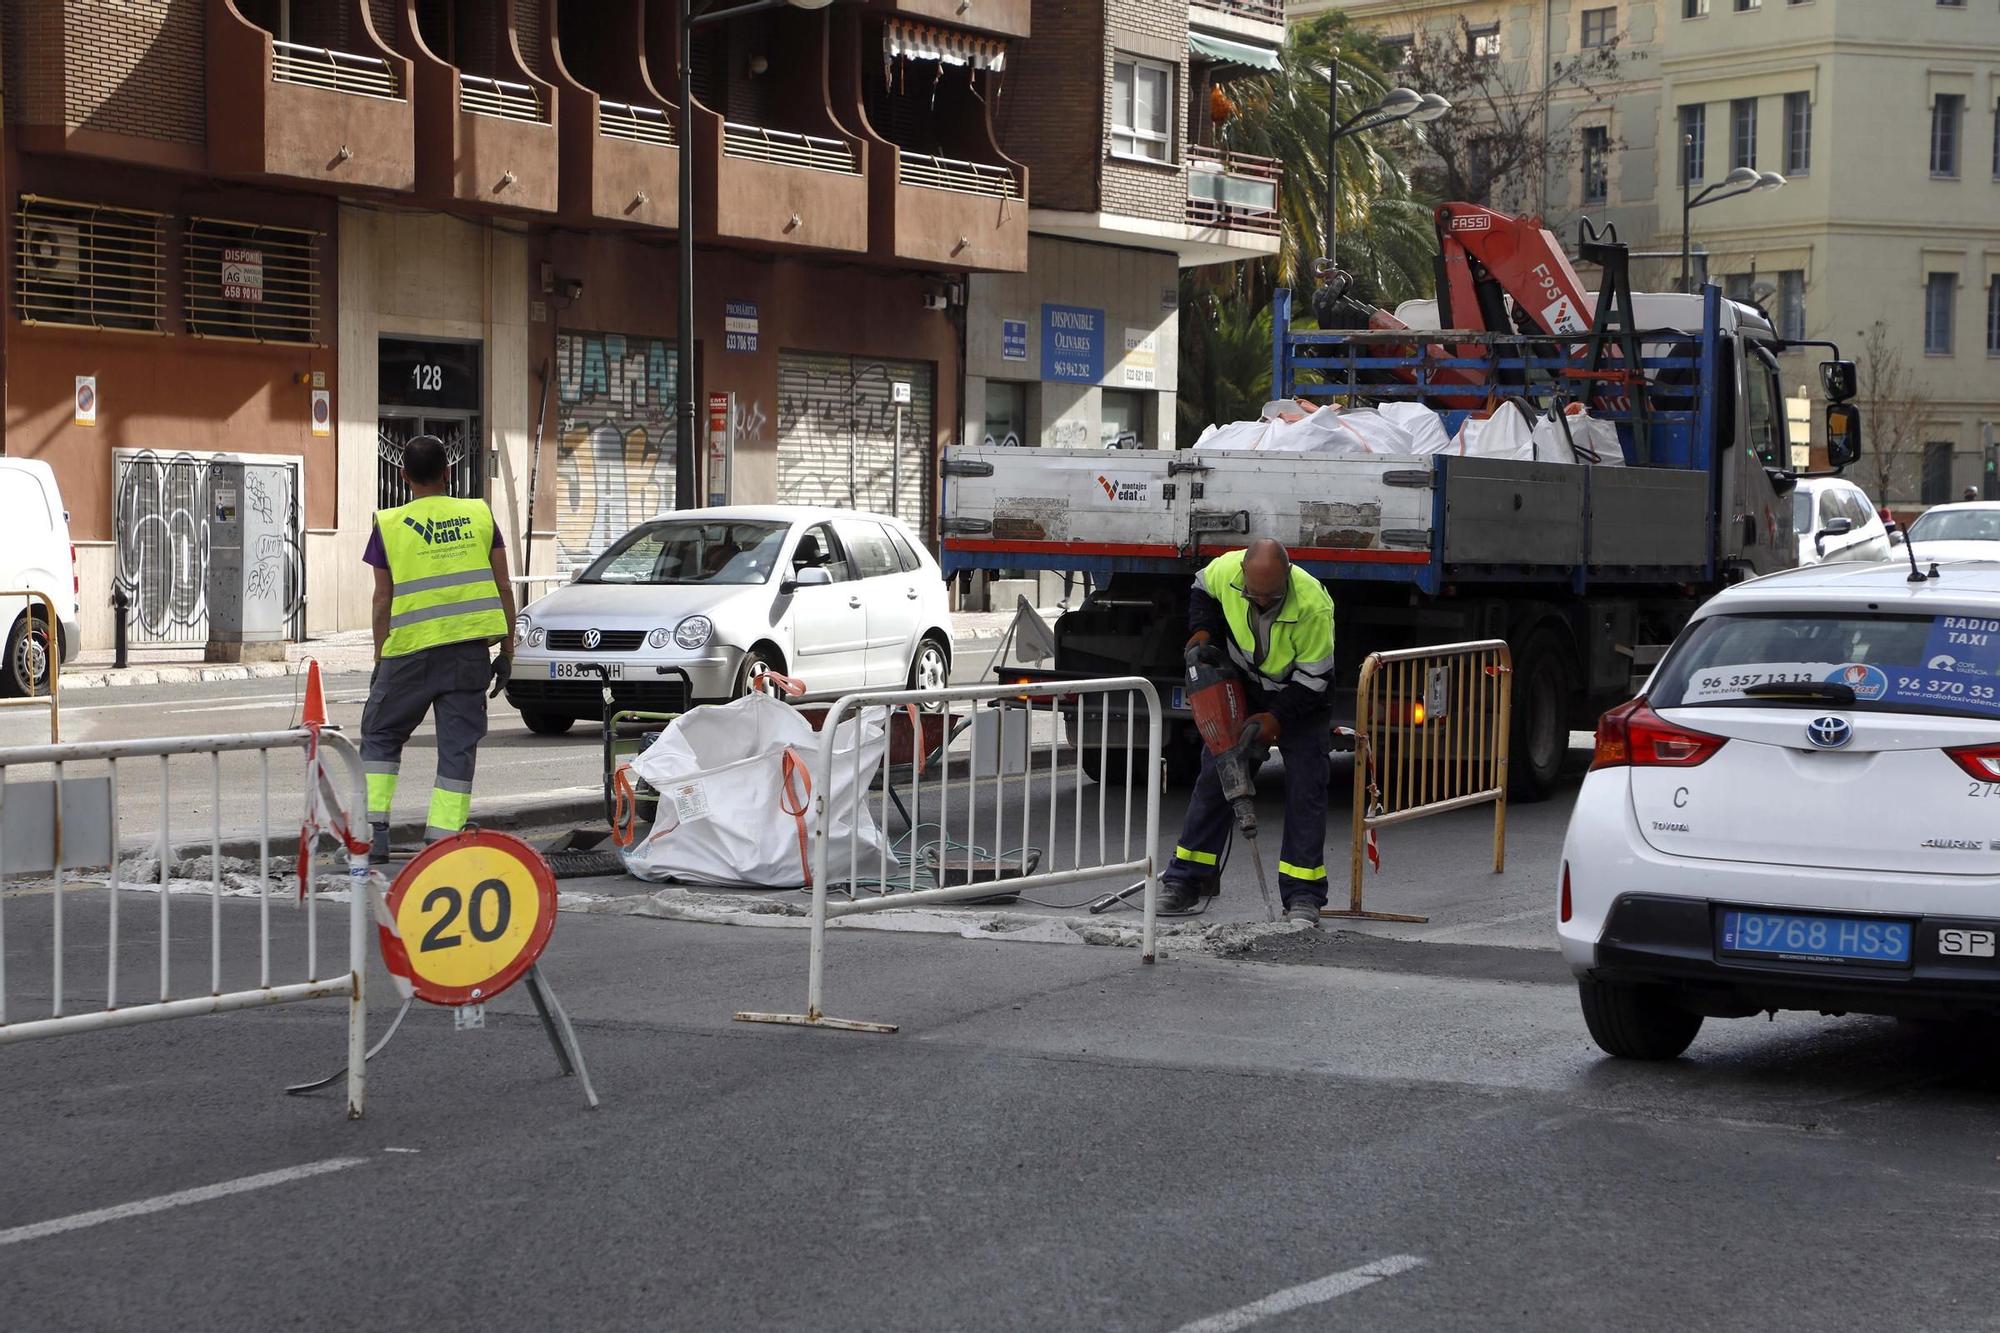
1215 697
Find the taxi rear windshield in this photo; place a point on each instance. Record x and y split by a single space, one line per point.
1908 664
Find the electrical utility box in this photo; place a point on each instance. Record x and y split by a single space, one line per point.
247 560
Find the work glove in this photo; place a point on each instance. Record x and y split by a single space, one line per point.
1260 733
1201 652
503 671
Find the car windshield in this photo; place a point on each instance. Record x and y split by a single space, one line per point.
1903 664
686 551
1957 525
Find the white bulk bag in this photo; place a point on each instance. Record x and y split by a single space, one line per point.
737 786
1424 426
1507 431
1235 435
1594 440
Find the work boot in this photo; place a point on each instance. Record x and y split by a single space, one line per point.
1304 911
1178 898
378 850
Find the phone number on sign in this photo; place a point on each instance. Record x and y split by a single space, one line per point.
1942 687
1721 684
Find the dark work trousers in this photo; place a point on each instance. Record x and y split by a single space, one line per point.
448 681
1210 822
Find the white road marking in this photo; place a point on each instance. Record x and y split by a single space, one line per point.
1475 927
1316 1292
178 1199
157 705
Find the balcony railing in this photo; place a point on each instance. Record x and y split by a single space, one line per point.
481 96
785 148
949 173
1269 11
645 124
1235 190
335 71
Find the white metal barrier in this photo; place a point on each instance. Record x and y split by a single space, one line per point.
72 823
996 775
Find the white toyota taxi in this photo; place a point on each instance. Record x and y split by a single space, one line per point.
1802 811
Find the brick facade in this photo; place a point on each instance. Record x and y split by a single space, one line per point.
1052 111
1156 30
132 67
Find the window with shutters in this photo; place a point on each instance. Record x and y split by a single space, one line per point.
1141 110
1743 132
1599 25
1694 9
1596 164
1940 289
1947 110
82 264
1484 41
1937 472
1993 316
1694 142
1791 310
1798 133
250 282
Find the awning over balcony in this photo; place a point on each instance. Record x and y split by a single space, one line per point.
922 41
1232 53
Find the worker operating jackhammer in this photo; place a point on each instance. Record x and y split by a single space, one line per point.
1254 615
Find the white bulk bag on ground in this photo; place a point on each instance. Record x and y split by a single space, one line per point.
1590 440
1507 431
737 787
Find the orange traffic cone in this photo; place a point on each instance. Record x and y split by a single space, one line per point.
315 707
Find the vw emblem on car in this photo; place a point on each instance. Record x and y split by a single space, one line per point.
591 638
1829 733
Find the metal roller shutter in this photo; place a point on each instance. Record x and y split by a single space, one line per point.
614 455
837 435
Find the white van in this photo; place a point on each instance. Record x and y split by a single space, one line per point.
35 554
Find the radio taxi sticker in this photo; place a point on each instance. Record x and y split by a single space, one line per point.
472 913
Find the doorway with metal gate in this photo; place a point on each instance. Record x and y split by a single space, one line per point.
429 386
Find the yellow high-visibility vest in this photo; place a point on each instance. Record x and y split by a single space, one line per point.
440 554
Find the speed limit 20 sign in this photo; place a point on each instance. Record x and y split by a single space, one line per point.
472 914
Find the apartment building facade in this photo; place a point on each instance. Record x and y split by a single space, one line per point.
1110 106
1883 116
301 232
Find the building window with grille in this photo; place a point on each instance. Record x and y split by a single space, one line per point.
1694 143
1993 316
1694 9
1937 473
1596 164
1940 289
1599 26
81 264
1946 112
1743 132
1798 133
1141 110
1791 310
1484 40
249 282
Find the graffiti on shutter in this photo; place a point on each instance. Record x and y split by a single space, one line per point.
615 440
837 435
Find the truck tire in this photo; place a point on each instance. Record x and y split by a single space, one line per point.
1538 740
1636 1022
547 724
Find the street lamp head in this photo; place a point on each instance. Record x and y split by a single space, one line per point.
808 4
1399 103
1770 180
1430 107
1741 176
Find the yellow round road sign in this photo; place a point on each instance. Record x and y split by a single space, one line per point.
472 914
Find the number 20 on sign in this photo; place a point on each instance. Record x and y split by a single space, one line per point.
472 914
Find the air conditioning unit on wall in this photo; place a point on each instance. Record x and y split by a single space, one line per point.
52 252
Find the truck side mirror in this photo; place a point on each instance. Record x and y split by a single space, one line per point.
1843 432
1835 527
1836 381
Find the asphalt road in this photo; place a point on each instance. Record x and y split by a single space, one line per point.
1367 1134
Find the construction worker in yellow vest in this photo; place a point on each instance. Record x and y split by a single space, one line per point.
442 597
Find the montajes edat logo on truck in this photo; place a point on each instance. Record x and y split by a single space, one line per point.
1130 492
441 531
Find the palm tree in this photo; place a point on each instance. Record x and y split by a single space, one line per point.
1225 359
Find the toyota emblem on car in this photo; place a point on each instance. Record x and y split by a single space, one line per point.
1829 733
591 638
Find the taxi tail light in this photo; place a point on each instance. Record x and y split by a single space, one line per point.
1634 736
1565 893
1980 761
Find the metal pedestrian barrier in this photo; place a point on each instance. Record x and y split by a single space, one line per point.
1006 812
1431 728
57 833
50 647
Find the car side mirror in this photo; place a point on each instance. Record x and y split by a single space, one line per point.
1836 380
1843 434
810 576
1835 527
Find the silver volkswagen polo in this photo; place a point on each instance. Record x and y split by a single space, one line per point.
686 608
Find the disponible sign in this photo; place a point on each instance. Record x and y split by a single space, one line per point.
1072 344
242 274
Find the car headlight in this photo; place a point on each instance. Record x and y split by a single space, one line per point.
693 632
536 635
658 638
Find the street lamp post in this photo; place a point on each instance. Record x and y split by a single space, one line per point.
686 487
1740 181
1397 105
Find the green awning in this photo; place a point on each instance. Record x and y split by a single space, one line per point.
1232 53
